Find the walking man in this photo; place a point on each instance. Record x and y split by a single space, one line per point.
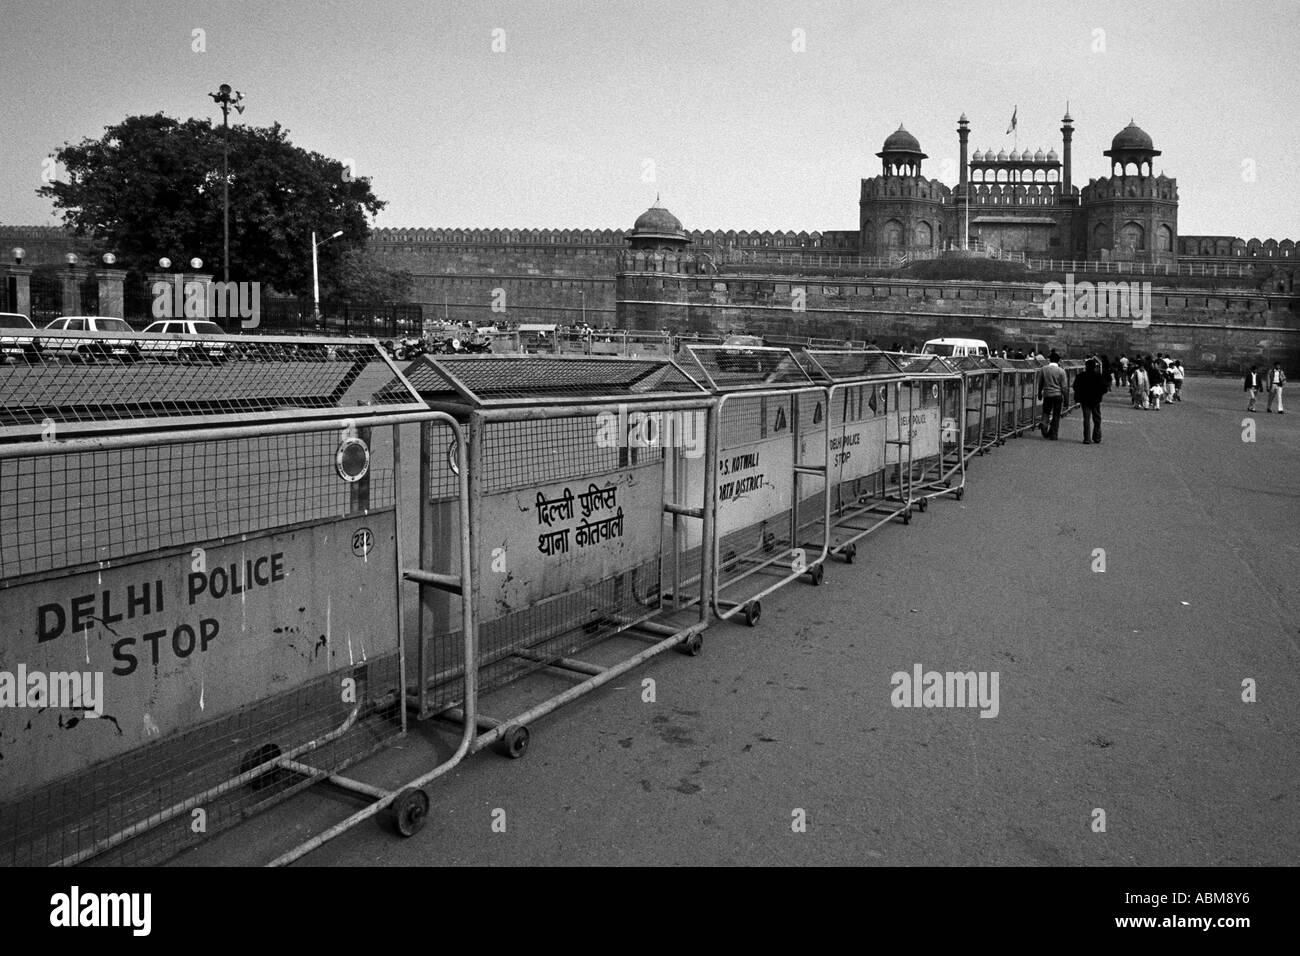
1089 386
1051 390
1276 379
1253 385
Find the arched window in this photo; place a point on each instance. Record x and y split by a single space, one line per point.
1133 236
1101 236
893 234
1164 239
924 235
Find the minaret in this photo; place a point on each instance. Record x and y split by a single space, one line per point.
1067 133
963 133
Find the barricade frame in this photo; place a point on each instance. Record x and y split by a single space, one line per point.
766 365
452 388
892 502
949 470
411 806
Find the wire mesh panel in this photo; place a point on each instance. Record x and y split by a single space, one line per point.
204 607
52 382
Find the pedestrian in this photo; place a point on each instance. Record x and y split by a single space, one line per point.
1139 386
1051 390
1105 368
1157 380
1089 387
1276 379
1122 375
1179 375
1253 383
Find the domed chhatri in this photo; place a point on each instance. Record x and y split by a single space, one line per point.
901 141
1132 138
657 223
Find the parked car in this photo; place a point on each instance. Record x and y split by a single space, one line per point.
186 348
93 349
13 343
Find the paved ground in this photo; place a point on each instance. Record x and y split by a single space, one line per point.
1119 690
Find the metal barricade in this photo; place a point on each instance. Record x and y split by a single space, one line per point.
1072 368
935 438
1007 400
765 473
982 408
199 544
574 526
861 416
1030 409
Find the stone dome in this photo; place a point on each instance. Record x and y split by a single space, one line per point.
1002 156
901 141
1131 137
1052 155
978 157
658 223
1038 155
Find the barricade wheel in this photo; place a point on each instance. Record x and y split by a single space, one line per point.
907 516
753 611
961 493
693 646
410 810
850 552
818 573
515 743
923 504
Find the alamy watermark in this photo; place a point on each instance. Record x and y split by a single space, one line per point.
1098 300
179 299
684 429
923 688
59 690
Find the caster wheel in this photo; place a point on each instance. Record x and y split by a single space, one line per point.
924 504
255 758
409 811
850 553
514 744
693 646
753 611
817 573
961 493
907 517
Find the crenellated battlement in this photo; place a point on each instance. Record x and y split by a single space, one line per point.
1234 246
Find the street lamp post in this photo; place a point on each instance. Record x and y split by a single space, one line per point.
582 294
315 274
226 99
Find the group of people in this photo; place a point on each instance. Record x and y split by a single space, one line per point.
1150 379
1270 381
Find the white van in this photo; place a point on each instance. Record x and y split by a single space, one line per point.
956 348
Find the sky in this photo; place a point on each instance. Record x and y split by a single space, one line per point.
737 115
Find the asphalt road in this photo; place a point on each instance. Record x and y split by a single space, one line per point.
1118 691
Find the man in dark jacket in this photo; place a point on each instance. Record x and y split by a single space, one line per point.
1089 386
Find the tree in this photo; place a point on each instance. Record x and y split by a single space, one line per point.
151 187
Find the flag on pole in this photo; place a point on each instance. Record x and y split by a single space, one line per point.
1012 127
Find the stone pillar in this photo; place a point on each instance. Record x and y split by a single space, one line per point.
112 302
963 134
71 277
1067 134
185 296
22 285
